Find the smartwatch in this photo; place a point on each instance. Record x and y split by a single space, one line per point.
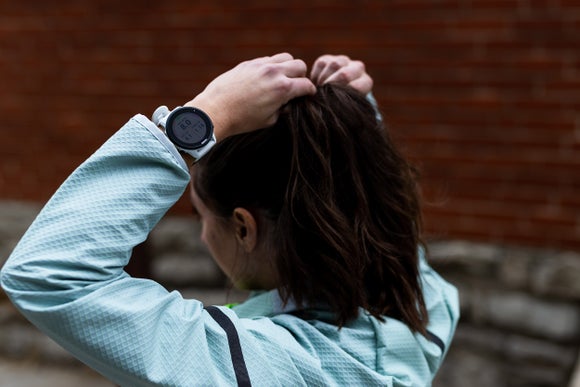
188 128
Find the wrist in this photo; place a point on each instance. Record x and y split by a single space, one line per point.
217 114
189 128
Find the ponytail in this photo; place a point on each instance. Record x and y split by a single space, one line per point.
342 200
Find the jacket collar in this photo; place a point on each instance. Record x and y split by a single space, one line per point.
264 304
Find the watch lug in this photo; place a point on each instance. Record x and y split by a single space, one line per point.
159 116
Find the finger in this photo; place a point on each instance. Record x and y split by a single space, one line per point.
363 84
277 58
347 74
328 70
281 57
330 65
299 87
293 68
324 61
272 119
317 67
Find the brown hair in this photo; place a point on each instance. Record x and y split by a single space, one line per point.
341 202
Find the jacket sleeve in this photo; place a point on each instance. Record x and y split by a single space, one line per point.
67 275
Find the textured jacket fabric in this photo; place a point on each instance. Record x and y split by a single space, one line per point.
66 276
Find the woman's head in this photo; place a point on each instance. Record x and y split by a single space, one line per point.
335 210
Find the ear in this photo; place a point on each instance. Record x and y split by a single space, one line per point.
246 229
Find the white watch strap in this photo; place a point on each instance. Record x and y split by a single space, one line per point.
198 153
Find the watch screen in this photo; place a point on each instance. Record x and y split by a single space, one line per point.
189 128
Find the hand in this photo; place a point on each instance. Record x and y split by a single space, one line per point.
342 70
249 96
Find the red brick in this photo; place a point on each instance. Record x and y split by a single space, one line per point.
482 95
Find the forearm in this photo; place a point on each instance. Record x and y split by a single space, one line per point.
66 274
86 232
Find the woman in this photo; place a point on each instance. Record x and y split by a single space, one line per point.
318 213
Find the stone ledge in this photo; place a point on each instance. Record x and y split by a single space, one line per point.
34 373
488 357
520 307
542 272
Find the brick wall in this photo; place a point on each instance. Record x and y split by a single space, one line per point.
483 95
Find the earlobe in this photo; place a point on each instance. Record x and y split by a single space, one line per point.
246 229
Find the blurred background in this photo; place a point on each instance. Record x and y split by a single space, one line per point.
482 95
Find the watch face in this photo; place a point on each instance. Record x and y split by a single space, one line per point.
189 128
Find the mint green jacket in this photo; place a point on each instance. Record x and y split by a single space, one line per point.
66 276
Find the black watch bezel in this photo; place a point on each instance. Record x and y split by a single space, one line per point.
201 114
